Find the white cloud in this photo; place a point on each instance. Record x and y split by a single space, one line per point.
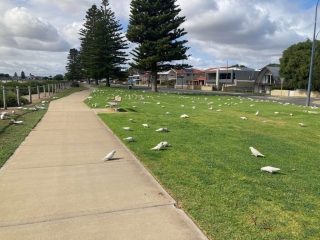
38 34
21 30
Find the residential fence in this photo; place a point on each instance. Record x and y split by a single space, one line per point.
48 89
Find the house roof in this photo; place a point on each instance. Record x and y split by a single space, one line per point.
188 70
273 70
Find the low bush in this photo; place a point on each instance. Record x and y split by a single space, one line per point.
75 84
12 100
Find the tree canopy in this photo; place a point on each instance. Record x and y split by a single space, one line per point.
154 27
295 65
23 76
73 65
102 44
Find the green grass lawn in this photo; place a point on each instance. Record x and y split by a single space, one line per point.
209 170
11 135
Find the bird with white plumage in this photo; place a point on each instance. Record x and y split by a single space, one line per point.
255 152
127 128
17 122
270 169
109 156
158 147
129 139
145 125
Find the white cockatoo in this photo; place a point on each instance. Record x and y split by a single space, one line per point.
162 130
109 155
257 113
256 152
184 116
17 122
145 125
127 128
244 118
129 139
270 169
158 147
302 124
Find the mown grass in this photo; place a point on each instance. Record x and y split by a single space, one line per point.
11 135
209 170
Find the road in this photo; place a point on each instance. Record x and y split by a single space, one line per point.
292 100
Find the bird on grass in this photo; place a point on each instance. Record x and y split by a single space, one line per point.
168 113
131 120
219 110
2 116
302 124
256 152
109 156
145 125
17 122
270 169
276 113
158 147
129 139
257 113
162 130
127 128
210 108
291 114
244 118
184 116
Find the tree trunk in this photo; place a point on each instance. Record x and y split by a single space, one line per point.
154 74
107 81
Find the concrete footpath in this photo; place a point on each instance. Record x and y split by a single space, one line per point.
56 185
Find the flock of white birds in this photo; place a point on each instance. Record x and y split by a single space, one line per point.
6 114
162 145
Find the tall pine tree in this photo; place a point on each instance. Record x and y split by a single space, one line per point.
73 65
154 26
102 43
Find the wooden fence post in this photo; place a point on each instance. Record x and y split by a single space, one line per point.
4 98
38 91
18 96
30 95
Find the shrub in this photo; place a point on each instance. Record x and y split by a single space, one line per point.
12 99
75 84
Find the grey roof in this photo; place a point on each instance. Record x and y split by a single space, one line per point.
274 71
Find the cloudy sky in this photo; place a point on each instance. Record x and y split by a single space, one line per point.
36 35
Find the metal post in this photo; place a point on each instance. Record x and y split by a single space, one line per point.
4 98
312 56
44 90
18 96
30 94
49 89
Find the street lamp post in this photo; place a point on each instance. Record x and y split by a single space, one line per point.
182 80
312 56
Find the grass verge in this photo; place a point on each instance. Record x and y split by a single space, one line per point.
209 170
